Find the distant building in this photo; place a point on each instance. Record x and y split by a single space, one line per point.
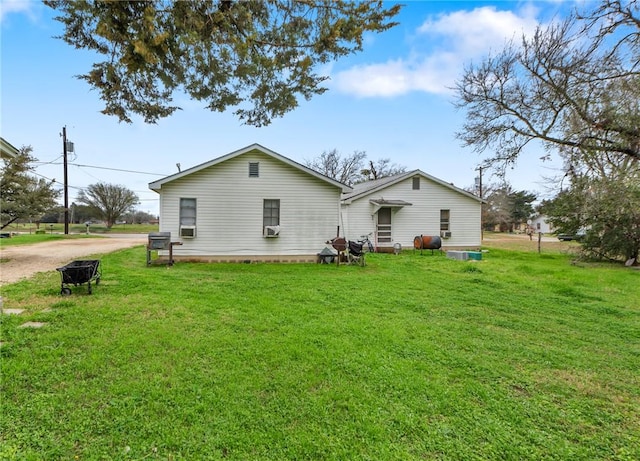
540 225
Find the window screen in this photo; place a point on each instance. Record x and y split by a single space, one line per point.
444 220
187 212
271 213
416 183
254 169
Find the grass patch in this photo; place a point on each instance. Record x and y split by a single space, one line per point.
27 239
516 356
82 229
521 243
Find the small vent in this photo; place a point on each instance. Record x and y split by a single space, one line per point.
445 234
254 169
271 231
188 231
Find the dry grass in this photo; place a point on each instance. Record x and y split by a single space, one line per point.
522 242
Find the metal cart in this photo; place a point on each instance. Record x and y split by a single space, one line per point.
78 272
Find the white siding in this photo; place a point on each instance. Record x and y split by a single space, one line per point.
358 219
540 224
230 208
420 218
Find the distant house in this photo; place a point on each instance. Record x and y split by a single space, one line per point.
7 150
251 204
539 224
398 208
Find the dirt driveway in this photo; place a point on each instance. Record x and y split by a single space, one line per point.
22 261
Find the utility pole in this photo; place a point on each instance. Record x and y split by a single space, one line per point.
481 204
66 184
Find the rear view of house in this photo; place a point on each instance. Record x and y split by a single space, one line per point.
252 204
398 208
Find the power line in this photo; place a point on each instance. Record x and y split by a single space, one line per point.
117 169
106 168
58 183
101 168
90 175
40 163
54 181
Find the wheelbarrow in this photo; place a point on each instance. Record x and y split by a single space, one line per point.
78 272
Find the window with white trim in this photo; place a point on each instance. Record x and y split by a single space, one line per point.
254 169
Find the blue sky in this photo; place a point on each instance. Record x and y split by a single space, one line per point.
393 100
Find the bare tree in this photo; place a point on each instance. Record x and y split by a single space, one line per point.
574 85
351 169
108 201
343 169
381 169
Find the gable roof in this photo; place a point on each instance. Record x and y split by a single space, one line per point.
7 150
368 187
157 185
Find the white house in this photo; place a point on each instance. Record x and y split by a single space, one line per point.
540 223
396 209
252 204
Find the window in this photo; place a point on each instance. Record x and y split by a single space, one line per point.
187 212
416 183
254 169
271 213
444 220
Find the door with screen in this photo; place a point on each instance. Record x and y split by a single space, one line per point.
384 226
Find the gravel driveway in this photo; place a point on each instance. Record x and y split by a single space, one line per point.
22 261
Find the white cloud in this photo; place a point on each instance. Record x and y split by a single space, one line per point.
387 79
473 33
450 41
17 6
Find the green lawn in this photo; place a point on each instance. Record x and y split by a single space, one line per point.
27 239
82 229
23 235
519 356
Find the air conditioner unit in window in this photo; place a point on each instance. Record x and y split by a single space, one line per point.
445 234
271 231
187 232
